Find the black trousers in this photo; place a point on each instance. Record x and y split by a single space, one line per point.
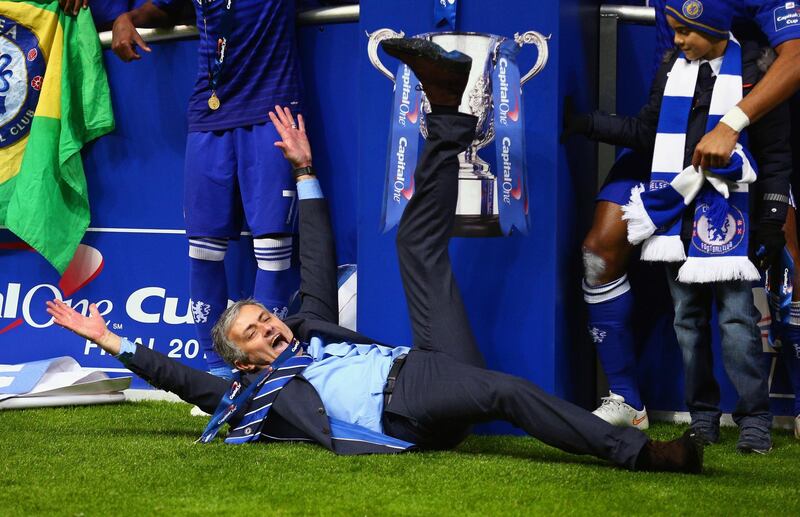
443 388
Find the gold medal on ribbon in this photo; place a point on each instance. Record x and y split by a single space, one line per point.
213 101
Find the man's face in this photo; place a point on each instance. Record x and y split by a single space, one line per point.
261 335
694 44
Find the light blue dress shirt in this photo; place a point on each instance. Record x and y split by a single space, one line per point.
350 378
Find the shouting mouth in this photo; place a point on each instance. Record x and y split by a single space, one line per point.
279 343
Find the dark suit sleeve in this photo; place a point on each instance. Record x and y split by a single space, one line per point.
318 286
639 132
194 386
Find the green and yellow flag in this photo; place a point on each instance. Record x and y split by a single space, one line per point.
53 99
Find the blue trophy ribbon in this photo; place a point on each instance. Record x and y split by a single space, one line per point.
444 13
403 146
509 123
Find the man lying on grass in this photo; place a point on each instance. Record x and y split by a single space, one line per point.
309 379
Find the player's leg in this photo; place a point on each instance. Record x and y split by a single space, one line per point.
438 318
210 207
441 396
269 198
607 294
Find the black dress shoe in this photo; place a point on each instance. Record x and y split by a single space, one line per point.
682 455
443 74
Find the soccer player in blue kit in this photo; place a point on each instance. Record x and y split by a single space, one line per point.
247 65
606 250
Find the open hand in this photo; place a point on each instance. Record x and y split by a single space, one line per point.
294 141
92 327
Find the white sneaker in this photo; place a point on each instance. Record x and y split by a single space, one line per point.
196 411
615 411
797 427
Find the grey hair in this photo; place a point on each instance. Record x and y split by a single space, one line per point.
223 345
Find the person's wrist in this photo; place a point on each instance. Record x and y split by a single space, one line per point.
109 342
303 172
736 119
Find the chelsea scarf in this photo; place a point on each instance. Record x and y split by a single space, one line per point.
718 249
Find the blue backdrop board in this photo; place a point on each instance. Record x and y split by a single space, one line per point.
521 292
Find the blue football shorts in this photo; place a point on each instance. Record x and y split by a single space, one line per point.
630 169
237 173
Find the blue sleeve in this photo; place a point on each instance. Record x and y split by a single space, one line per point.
106 11
168 5
309 189
778 20
126 351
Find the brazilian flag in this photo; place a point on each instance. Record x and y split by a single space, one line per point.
54 98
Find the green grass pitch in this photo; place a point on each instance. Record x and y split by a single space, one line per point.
140 459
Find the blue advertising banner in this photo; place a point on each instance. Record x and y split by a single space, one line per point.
139 281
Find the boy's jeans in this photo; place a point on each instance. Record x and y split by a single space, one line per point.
741 350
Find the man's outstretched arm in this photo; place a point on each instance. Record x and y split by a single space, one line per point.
317 248
781 81
193 386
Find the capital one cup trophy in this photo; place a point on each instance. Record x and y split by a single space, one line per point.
477 211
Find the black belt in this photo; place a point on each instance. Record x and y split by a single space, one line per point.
394 371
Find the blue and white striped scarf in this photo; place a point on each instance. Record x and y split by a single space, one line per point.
718 250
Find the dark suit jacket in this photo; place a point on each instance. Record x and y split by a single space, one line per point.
298 412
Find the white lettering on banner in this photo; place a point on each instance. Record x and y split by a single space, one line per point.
504 106
26 305
406 100
11 301
190 349
507 185
89 346
134 307
11 307
399 180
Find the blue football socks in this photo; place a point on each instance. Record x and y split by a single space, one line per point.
276 278
209 291
610 309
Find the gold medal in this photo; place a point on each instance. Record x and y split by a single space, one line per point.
213 101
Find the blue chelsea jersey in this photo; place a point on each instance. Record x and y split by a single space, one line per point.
260 69
778 22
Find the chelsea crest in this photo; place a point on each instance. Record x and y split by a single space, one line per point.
718 240
22 67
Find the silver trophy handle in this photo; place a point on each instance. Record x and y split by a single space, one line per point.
535 38
372 48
